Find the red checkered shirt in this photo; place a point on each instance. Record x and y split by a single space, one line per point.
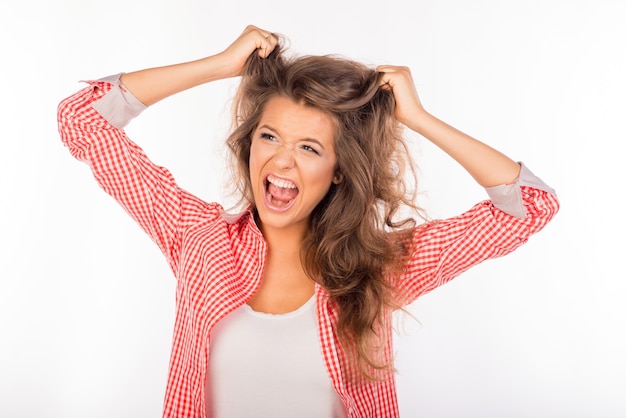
218 259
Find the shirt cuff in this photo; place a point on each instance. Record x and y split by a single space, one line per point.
118 106
508 197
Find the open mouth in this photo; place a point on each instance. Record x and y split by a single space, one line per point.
280 193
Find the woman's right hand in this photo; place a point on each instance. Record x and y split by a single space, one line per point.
251 39
154 84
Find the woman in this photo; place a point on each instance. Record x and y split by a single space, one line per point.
285 309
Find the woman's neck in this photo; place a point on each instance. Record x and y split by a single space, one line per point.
285 285
286 240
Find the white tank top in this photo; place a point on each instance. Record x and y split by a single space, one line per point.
266 365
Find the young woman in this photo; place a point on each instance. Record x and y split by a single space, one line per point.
285 309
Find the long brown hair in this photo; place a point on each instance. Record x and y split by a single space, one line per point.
356 245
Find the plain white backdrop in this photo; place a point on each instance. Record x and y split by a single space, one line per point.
87 301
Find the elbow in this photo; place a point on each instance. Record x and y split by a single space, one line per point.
71 128
544 211
64 120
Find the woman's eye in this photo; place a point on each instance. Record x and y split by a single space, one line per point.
309 148
267 136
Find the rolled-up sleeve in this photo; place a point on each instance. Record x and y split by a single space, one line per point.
508 197
90 125
119 106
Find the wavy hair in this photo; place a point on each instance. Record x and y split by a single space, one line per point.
357 243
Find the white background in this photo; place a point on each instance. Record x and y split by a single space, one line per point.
86 300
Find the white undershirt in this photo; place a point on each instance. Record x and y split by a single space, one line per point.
266 365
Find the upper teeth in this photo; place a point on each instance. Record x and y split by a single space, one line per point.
285 184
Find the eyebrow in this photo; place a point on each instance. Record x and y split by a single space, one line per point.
306 139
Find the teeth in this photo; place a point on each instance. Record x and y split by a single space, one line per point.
285 184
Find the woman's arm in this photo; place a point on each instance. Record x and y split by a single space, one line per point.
488 166
443 249
153 84
91 125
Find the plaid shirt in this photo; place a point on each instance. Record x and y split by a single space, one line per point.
218 259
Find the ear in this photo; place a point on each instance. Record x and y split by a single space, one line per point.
338 178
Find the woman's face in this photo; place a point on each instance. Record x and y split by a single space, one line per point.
292 163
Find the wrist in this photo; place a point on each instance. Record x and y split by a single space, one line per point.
219 66
420 120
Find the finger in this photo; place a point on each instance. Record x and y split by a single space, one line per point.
389 68
267 44
387 74
386 80
385 68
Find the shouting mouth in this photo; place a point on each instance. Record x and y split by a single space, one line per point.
280 194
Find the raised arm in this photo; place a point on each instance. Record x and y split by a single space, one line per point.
488 166
91 123
153 84
445 248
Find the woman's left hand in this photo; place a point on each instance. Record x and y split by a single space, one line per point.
408 105
488 166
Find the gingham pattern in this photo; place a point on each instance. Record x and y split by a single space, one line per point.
218 260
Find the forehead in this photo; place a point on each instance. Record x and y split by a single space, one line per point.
295 120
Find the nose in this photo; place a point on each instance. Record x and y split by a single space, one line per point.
284 157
